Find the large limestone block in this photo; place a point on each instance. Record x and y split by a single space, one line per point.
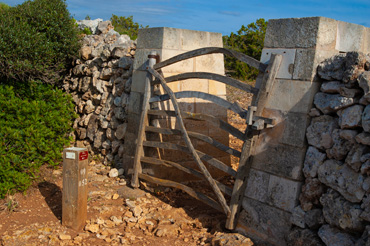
283 193
342 179
292 33
264 222
340 213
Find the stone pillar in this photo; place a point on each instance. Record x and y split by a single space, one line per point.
276 176
168 42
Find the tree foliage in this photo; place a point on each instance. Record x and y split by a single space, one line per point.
248 40
4 6
37 41
126 25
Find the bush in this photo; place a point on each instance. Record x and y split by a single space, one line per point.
4 6
248 40
126 25
35 119
37 41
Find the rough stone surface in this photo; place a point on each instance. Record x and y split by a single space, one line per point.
298 217
332 68
338 212
364 83
305 237
343 179
314 158
334 237
340 147
353 159
351 117
330 103
363 138
331 87
311 193
320 130
314 218
366 119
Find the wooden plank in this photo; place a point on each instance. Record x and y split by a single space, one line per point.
139 152
235 107
196 135
212 50
155 161
267 83
197 195
205 117
212 76
200 164
212 161
249 145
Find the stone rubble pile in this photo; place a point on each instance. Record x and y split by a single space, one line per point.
100 84
334 203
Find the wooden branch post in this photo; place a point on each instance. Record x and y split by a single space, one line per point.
143 121
74 203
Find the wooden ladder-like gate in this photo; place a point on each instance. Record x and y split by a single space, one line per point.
254 123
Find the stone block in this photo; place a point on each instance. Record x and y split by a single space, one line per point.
289 128
150 38
298 95
184 66
138 81
350 37
287 64
366 44
171 38
304 67
292 33
263 222
283 193
213 63
257 186
279 159
216 88
194 85
191 40
327 34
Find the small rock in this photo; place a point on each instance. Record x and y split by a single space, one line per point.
363 138
297 217
64 237
366 119
115 196
334 237
331 87
330 103
93 228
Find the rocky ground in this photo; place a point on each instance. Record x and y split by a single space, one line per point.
117 214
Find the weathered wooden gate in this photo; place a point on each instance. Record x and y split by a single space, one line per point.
253 117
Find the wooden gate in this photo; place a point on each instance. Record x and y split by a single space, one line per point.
254 124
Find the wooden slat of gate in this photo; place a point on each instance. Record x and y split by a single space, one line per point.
226 190
249 145
198 136
205 117
200 164
212 161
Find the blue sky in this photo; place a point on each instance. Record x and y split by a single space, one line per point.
224 16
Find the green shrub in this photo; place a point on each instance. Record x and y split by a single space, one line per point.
4 6
248 40
35 120
126 25
37 41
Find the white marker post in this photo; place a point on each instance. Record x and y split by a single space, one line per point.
74 205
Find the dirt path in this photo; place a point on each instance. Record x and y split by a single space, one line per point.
117 215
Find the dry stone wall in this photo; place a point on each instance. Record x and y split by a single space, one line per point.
100 84
334 203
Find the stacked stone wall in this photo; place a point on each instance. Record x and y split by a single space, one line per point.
100 84
335 199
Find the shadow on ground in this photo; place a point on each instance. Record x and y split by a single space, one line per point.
53 197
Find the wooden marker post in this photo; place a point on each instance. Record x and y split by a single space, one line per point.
74 205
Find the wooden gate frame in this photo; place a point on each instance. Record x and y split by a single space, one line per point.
253 116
